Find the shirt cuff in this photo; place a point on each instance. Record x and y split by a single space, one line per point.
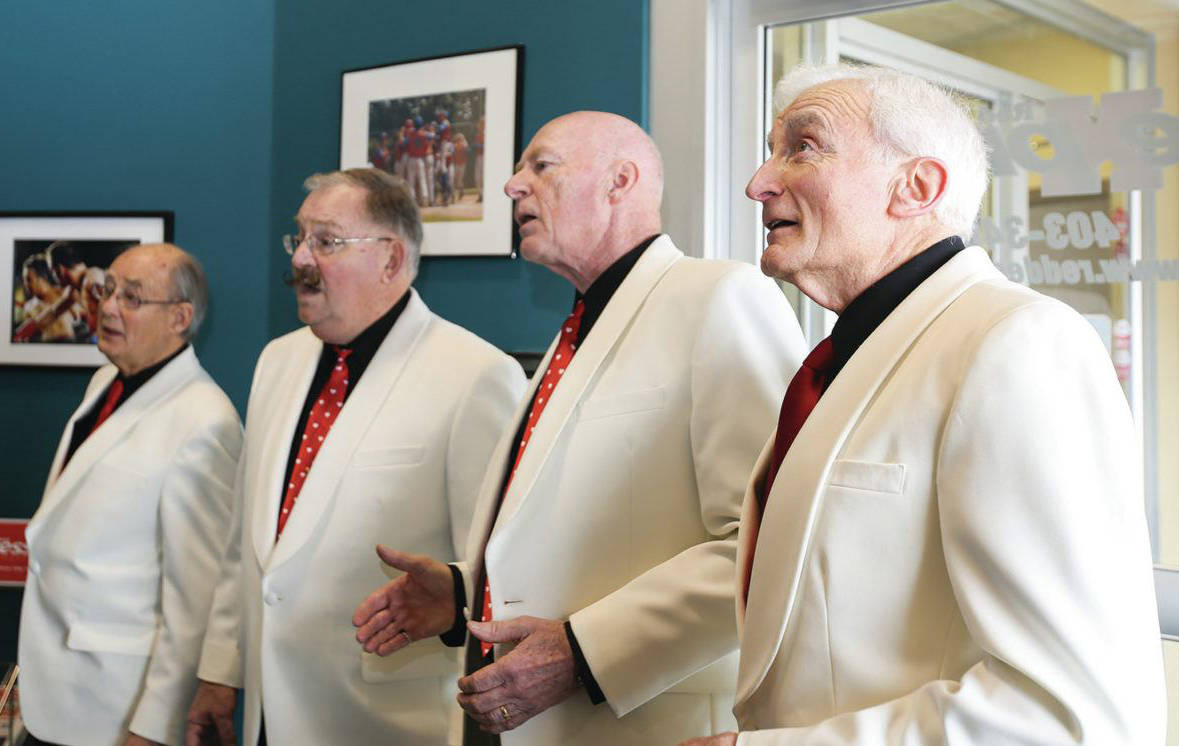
585 677
456 636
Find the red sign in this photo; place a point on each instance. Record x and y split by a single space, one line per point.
14 551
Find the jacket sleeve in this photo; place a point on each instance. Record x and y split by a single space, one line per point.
194 515
479 422
221 653
677 617
1043 532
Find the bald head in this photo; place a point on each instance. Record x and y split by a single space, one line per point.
617 140
587 190
186 280
155 299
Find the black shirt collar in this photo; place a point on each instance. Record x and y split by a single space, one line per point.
871 307
364 345
598 294
134 382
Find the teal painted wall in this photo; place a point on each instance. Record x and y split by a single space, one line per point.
578 55
136 105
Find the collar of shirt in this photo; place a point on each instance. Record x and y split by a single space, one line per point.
365 345
133 383
602 290
871 307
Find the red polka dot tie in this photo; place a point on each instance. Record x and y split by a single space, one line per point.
566 346
324 412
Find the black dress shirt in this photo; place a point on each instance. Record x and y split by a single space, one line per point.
84 424
596 297
872 307
363 347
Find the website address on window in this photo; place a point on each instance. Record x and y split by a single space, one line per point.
1046 271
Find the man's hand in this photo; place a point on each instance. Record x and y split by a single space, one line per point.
417 605
210 719
137 740
724 739
533 677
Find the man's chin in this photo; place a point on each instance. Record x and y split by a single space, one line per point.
776 262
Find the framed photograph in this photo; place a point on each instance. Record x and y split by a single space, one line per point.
450 127
51 268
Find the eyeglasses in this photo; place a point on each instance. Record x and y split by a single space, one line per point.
130 299
325 245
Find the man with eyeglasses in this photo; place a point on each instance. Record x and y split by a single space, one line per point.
420 404
124 549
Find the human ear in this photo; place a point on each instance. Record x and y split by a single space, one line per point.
919 188
397 257
625 176
182 314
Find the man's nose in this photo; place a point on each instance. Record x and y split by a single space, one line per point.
764 184
302 255
109 306
517 186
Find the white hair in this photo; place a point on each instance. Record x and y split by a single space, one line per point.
913 117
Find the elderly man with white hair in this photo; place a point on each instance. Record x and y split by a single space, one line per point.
944 541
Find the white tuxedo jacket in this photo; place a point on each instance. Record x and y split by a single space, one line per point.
622 515
401 467
123 559
955 549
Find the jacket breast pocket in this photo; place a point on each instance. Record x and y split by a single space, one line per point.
612 405
122 639
867 476
378 458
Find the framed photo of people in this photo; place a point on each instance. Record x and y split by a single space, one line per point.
52 269
449 126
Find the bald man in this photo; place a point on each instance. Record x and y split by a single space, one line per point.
123 550
601 552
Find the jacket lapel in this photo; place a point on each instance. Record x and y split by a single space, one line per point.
795 501
362 407
487 504
607 331
92 450
284 396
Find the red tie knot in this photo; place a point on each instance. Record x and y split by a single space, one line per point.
821 357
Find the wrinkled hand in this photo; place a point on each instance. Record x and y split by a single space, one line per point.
724 739
134 739
533 677
210 719
420 603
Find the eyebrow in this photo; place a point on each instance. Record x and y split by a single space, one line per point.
125 282
795 122
329 224
535 155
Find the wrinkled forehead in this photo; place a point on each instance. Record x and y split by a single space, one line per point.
137 267
566 138
838 107
333 207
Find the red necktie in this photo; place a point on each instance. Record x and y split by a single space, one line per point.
324 412
801 397
566 346
108 406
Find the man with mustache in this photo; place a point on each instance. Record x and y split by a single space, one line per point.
123 550
945 541
600 562
373 423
